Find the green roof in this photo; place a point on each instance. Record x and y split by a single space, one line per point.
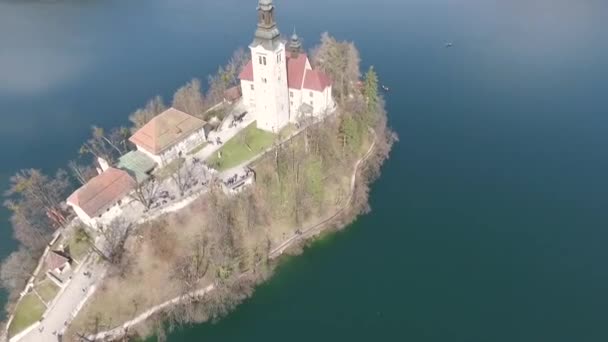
138 164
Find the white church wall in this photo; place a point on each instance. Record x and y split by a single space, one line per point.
248 94
322 101
270 87
319 102
295 101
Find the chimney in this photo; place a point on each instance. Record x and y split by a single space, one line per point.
103 164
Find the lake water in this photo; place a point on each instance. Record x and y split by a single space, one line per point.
489 222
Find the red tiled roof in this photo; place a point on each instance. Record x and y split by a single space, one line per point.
102 191
296 67
247 73
165 130
297 75
56 259
316 80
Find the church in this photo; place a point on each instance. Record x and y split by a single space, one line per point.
278 84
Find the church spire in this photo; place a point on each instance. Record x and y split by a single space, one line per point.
295 45
267 32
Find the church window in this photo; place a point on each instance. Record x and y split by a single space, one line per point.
260 59
264 60
311 94
291 103
291 94
252 87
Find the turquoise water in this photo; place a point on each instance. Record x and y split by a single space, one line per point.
489 221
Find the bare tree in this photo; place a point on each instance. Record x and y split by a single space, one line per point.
33 195
225 228
253 210
298 192
119 138
30 225
16 269
184 177
189 98
82 173
93 327
101 146
100 134
227 294
143 115
191 268
235 65
352 70
35 186
146 192
226 76
114 236
340 60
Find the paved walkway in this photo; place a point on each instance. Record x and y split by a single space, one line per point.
65 303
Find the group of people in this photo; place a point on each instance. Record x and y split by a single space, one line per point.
237 120
163 198
236 178
232 180
218 141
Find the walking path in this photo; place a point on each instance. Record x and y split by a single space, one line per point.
61 310
274 253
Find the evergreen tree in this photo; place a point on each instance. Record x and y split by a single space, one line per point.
371 89
350 133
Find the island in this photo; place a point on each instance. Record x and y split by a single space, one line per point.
180 216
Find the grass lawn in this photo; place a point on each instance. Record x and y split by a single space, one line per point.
287 130
28 311
78 245
47 290
197 148
169 169
242 147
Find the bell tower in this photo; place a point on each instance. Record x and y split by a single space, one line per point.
295 45
267 26
269 71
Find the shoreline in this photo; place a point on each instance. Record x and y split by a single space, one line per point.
301 184
306 235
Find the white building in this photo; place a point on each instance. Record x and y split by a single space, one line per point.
100 194
169 135
278 84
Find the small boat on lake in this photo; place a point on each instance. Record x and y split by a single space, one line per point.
385 88
449 45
